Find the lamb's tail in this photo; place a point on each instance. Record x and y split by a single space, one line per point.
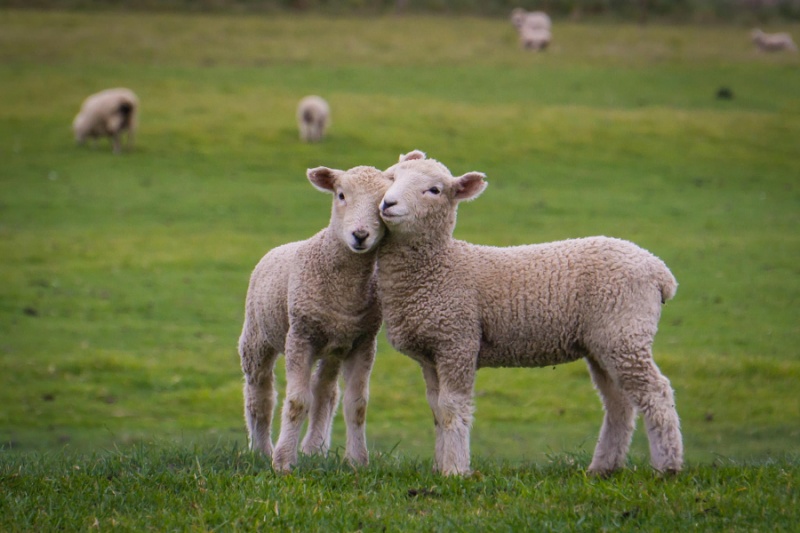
667 283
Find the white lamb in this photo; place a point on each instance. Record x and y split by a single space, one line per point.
455 307
108 113
773 42
534 28
316 301
313 118
538 20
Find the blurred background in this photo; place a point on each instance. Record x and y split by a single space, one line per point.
123 277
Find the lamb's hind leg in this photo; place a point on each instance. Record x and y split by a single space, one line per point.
650 391
258 364
618 423
325 397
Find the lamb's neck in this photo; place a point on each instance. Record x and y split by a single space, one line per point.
411 259
344 271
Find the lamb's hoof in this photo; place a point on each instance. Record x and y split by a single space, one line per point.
357 461
450 472
669 472
602 473
282 465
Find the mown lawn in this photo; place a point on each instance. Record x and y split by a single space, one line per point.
122 279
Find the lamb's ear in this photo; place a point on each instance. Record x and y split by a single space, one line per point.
414 154
323 178
470 185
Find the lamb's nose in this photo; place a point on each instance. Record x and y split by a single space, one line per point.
360 236
386 204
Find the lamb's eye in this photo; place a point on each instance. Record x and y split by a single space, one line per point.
434 190
341 196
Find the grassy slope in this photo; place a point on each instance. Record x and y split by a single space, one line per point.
123 278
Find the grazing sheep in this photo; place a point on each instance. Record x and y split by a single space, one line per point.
534 28
455 307
108 113
313 118
316 301
538 20
773 42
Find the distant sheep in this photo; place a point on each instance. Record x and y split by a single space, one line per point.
313 118
316 301
773 42
455 307
109 113
534 28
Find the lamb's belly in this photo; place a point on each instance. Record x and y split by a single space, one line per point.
526 355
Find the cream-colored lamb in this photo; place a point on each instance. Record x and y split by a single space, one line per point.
773 42
534 28
455 307
316 301
313 118
109 113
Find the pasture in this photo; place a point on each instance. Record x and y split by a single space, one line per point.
122 278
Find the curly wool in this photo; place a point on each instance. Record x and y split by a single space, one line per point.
316 301
456 307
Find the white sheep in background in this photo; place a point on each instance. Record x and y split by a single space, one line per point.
108 113
773 42
316 301
455 307
534 28
313 118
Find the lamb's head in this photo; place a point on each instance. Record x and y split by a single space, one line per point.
424 196
518 17
357 192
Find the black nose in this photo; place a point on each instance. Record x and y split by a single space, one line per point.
387 204
360 236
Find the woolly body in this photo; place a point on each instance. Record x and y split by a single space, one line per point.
773 42
455 307
534 28
313 118
108 113
316 301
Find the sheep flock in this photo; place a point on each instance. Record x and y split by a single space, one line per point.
388 258
114 112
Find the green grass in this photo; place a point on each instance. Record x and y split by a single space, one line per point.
122 279
223 488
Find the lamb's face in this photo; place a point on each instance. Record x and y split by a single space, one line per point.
424 196
356 195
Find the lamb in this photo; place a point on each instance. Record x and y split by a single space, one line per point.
108 113
455 307
531 19
534 28
313 118
316 301
773 42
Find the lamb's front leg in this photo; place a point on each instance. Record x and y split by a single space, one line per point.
456 382
324 398
299 359
432 394
357 369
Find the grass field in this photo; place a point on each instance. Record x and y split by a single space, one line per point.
122 279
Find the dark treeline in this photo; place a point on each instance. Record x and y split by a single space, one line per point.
640 10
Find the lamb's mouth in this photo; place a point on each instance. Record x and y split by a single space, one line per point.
390 217
359 248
